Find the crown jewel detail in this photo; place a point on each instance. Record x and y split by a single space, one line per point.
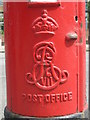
44 24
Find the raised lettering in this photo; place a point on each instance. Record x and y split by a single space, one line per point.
65 97
53 98
34 98
47 98
40 98
51 80
24 96
69 96
29 97
61 97
48 81
43 79
57 97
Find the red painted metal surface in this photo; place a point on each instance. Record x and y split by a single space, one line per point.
82 58
45 58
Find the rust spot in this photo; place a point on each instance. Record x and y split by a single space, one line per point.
81 25
81 40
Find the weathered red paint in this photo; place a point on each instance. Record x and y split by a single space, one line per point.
82 57
45 58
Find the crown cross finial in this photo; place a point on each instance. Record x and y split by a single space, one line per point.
45 24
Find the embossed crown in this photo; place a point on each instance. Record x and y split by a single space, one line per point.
44 24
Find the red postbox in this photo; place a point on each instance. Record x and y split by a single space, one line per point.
45 59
